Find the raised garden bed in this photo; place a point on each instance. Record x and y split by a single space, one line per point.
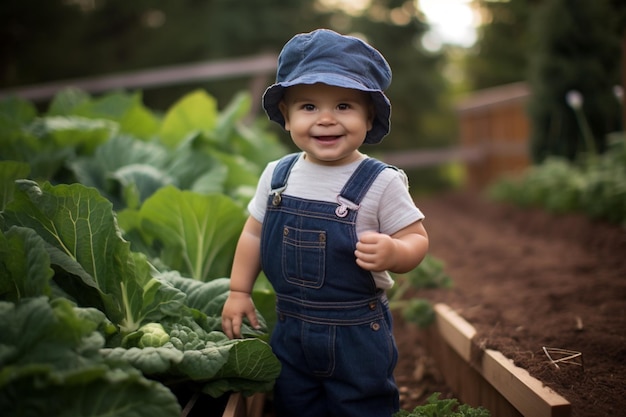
526 280
486 377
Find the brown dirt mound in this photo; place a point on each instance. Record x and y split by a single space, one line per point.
527 279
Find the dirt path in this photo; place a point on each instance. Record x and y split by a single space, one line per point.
527 279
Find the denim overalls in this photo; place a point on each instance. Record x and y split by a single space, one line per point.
333 335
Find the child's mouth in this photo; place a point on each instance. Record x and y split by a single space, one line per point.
326 138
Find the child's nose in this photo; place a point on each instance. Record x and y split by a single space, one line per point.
326 116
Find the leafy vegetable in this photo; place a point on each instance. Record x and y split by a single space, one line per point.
50 364
219 364
595 185
436 407
92 311
133 297
25 269
198 232
97 266
10 171
154 335
428 274
195 111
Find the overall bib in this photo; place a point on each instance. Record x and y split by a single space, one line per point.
334 332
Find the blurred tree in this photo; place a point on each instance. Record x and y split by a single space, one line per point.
422 115
620 10
57 39
30 30
558 46
576 46
238 29
60 39
500 55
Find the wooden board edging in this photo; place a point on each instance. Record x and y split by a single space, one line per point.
455 330
524 392
240 406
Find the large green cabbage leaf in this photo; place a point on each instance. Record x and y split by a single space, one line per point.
51 365
73 228
10 171
102 170
208 299
199 351
219 364
196 111
83 240
127 110
198 232
60 247
25 269
75 131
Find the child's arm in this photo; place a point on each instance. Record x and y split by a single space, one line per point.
399 253
246 268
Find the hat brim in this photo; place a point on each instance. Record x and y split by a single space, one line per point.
382 106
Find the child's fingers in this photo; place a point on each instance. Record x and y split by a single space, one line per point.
232 327
369 237
254 320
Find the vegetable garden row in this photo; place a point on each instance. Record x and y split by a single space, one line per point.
594 184
118 227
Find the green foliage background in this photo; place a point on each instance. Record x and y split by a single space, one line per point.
555 45
113 218
56 39
582 52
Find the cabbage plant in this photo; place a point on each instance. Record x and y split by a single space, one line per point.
117 229
60 245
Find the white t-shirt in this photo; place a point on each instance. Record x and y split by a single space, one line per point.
386 208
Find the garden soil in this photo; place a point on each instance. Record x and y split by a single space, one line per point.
527 279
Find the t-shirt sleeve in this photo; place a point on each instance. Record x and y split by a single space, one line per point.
256 206
397 209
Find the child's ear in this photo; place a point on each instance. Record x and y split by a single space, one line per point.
282 106
370 117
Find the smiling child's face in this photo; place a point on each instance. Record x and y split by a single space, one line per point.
328 123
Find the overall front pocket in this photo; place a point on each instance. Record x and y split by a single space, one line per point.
304 256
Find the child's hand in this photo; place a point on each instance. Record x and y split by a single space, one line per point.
238 305
399 253
375 251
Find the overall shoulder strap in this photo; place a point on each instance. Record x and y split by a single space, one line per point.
362 179
281 172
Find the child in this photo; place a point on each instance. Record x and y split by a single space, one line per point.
325 226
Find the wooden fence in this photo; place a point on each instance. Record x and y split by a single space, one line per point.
493 125
493 138
494 129
257 67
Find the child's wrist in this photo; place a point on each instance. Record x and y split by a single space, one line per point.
240 291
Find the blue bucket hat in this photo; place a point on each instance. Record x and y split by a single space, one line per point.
324 56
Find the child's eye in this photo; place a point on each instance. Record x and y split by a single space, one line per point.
308 107
343 106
